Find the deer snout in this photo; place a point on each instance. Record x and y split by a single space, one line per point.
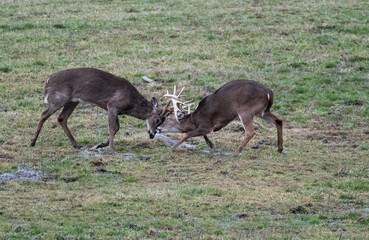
151 135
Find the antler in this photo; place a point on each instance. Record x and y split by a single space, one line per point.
177 105
188 105
166 110
176 97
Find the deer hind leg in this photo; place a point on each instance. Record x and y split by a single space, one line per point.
208 141
44 116
248 126
278 122
63 118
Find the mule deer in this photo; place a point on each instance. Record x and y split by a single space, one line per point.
114 94
242 98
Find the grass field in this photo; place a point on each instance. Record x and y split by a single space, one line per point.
314 55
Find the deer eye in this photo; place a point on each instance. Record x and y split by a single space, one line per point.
157 121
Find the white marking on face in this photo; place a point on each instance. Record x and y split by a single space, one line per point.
148 125
46 101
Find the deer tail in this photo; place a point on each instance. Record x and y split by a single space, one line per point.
45 92
270 97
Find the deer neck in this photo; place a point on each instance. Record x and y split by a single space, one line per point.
142 110
187 123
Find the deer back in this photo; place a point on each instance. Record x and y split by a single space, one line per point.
92 85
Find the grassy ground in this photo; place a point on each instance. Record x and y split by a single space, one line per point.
313 54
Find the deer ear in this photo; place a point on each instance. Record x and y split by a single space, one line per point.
155 106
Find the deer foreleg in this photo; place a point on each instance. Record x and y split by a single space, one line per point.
113 126
208 141
193 133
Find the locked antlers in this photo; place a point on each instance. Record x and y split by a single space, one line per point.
177 104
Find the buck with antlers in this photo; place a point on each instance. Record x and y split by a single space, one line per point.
116 95
242 98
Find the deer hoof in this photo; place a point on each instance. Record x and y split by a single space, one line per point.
280 150
111 151
235 154
77 146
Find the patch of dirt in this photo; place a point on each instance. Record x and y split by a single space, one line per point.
101 170
133 226
331 135
326 26
242 216
99 153
264 142
98 162
354 103
5 156
59 26
171 142
69 179
22 174
301 209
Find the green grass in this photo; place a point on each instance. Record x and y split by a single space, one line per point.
312 54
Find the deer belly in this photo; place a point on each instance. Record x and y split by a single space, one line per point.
221 123
217 128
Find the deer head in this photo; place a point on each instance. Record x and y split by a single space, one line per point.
172 122
155 119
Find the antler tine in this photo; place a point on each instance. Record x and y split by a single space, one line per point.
177 105
180 92
174 95
165 109
188 106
